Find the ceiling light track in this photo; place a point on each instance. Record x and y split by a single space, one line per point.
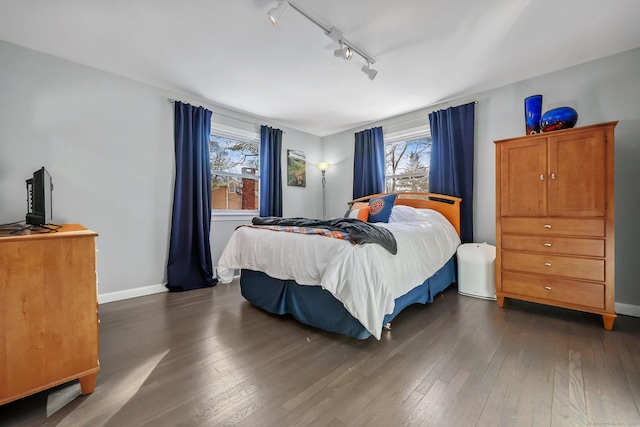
346 50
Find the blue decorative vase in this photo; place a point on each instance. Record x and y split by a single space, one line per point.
558 118
532 111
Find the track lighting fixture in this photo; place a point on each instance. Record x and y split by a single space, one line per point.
277 13
334 34
347 49
370 72
344 52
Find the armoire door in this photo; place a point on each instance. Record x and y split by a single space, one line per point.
577 178
523 177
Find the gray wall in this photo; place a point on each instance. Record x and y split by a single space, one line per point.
108 143
601 91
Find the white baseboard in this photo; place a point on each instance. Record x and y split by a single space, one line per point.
627 309
131 293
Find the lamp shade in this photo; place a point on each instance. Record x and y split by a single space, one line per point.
323 166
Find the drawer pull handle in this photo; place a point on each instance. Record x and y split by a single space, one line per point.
541 177
547 264
547 226
553 176
547 244
548 288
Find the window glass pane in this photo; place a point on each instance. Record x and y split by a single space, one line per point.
414 183
407 165
235 173
408 157
234 193
232 156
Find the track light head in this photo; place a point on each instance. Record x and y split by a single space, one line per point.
344 52
370 72
276 15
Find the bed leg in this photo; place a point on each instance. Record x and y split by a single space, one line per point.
387 326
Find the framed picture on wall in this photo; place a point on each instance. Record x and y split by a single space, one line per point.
296 168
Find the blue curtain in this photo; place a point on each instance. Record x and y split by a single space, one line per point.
451 167
368 163
270 171
189 265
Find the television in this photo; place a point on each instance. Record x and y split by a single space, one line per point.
39 201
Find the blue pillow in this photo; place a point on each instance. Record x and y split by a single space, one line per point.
380 208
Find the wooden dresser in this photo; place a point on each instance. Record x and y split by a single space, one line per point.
48 311
555 219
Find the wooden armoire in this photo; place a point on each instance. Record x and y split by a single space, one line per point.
555 219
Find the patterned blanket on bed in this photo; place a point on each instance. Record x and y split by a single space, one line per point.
351 229
306 230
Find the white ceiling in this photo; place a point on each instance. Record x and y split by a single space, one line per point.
227 52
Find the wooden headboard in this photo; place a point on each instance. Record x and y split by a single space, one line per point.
448 206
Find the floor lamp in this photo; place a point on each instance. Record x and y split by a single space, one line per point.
324 166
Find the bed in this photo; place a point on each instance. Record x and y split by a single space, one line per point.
355 290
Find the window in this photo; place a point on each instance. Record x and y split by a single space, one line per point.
235 172
407 163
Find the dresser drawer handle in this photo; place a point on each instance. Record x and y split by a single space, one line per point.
547 264
548 288
547 244
547 226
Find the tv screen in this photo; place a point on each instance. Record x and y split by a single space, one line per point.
39 201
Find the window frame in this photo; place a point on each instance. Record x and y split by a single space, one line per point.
406 136
240 135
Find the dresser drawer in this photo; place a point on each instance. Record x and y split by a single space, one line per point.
554 245
550 226
555 265
554 289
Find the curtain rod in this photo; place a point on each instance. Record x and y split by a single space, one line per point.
451 100
171 100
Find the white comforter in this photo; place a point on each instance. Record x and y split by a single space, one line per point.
365 278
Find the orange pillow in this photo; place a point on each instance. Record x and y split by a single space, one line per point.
361 213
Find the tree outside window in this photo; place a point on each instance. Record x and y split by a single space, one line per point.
235 173
407 164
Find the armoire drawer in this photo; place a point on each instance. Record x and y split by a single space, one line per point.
555 265
554 226
554 289
554 245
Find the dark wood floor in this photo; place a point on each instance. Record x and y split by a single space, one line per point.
209 358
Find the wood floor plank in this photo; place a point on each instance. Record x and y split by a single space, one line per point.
540 380
607 382
512 344
207 357
629 367
478 348
560 409
577 404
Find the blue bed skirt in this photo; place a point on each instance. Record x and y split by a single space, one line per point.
317 307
